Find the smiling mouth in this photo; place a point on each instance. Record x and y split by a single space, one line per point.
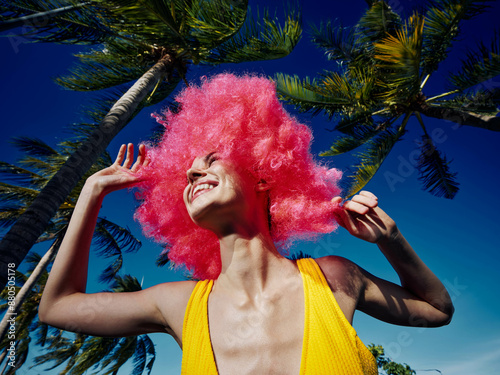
202 189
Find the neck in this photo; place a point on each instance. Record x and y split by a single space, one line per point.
252 265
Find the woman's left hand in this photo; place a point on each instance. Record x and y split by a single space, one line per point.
362 217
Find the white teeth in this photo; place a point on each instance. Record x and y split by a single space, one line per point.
202 187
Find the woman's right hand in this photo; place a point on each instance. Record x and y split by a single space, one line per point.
122 173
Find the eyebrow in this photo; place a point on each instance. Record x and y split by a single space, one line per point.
207 157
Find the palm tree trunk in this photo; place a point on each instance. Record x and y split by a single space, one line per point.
31 224
32 18
31 282
2 357
462 117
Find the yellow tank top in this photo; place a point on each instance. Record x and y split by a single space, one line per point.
330 344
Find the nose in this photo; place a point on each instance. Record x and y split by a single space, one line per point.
194 174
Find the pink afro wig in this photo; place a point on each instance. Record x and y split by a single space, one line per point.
242 119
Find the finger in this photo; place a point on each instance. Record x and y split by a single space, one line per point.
366 200
121 154
368 194
346 220
356 207
140 158
130 156
336 200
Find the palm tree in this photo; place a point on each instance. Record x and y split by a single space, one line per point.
35 168
108 354
153 43
25 319
382 66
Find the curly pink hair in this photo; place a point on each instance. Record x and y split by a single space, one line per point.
242 119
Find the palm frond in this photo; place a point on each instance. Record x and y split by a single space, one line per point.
93 352
111 240
378 22
150 352
399 60
442 27
126 283
33 147
139 357
259 39
479 67
117 63
162 259
22 176
348 143
337 42
434 171
372 158
350 123
152 22
73 22
121 353
299 93
212 22
354 89
61 349
111 237
17 194
9 214
111 271
482 101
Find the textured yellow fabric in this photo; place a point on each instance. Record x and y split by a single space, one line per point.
197 355
330 344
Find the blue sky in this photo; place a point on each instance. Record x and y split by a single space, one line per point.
458 239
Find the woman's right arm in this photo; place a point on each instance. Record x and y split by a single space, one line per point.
64 302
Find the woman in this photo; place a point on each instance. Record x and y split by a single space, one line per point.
252 187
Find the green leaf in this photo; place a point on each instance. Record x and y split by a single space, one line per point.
155 21
372 158
213 22
33 146
378 22
300 93
399 60
358 134
261 39
434 171
126 283
114 64
162 259
17 194
111 238
482 102
479 67
337 42
73 22
442 27
333 93
22 176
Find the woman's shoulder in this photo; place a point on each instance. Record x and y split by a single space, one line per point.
341 274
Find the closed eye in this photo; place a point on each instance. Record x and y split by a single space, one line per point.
212 158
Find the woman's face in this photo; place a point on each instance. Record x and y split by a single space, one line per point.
217 191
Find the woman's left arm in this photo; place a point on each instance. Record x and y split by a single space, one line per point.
422 299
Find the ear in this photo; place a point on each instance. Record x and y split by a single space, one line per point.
262 186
